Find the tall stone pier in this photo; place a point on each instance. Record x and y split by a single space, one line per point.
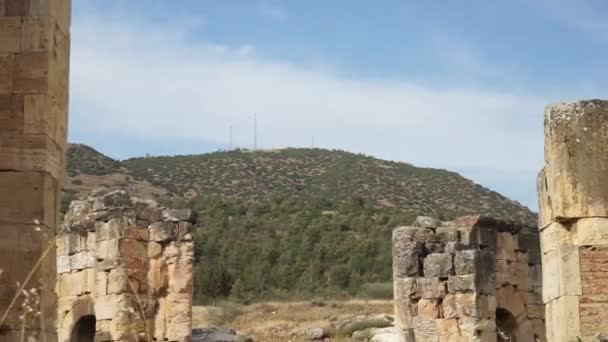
34 63
573 201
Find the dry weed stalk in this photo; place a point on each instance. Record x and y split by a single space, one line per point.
140 305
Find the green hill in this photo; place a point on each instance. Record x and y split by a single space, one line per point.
292 222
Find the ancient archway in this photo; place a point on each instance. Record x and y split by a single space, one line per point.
506 326
84 330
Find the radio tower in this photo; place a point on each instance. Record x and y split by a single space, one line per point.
231 146
255 131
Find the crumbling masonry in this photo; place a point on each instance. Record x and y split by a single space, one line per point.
473 279
125 271
34 63
573 202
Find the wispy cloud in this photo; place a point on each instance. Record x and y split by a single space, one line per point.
588 16
274 11
153 83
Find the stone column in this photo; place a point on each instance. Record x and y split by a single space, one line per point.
573 203
34 63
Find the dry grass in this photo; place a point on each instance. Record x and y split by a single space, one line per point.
280 321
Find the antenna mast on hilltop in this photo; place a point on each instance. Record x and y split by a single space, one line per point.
255 131
231 146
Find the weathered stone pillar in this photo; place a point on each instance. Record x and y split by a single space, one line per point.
472 279
34 63
573 201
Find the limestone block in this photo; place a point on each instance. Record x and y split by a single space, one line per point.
180 277
438 265
562 319
428 308
433 247
509 299
426 222
430 288
73 284
461 283
454 247
475 326
112 200
525 331
163 231
523 276
102 331
531 298
154 249
403 313
7 66
447 234
82 260
133 248
447 326
506 247
506 273
522 257
91 241
107 249
107 307
101 283
591 231
487 306
575 158
184 230
112 230
545 213
117 282
179 317
553 236
125 326
63 264
464 262
405 288
33 194
10 34
540 332
406 256
561 273
536 311
531 244
460 305
176 215
157 276
147 211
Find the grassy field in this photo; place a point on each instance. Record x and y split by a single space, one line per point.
284 321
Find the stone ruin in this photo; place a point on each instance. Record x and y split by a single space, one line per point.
473 279
573 203
124 271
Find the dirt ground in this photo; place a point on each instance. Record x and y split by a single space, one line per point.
282 321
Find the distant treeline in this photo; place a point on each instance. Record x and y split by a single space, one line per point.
285 249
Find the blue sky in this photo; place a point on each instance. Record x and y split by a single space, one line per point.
459 85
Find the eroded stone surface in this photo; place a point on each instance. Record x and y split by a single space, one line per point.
110 266
471 268
573 203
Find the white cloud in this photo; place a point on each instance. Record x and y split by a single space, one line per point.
132 79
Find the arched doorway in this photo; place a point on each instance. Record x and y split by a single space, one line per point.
506 326
84 330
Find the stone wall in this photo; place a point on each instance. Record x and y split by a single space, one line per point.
573 203
34 62
473 279
128 263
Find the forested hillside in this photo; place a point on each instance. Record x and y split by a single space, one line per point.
291 222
